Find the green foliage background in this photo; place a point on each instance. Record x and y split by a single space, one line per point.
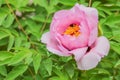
24 57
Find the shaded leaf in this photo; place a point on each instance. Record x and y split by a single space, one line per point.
18 70
3 70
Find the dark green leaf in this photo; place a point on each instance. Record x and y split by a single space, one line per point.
18 70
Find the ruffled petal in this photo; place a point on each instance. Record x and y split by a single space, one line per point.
88 61
57 52
91 17
52 44
98 50
102 46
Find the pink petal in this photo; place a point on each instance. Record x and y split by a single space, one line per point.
102 46
91 17
63 18
98 50
45 38
78 53
89 61
52 45
57 52
93 36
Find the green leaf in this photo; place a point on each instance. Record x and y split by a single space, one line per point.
69 68
41 18
96 3
18 57
55 78
104 9
19 3
103 71
47 4
68 2
115 46
113 19
18 41
117 65
3 34
62 75
18 70
11 42
5 55
36 62
8 21
48 65
26 9
6 61
3 70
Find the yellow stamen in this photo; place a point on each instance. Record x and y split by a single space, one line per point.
72 30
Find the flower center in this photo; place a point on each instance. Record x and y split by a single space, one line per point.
72 30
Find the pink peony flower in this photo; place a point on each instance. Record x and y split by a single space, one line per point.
75 32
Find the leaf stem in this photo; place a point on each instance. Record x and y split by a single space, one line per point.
44 25
31 73
18 22
11 10
90 2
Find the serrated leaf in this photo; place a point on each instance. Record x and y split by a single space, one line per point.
18 70
36 62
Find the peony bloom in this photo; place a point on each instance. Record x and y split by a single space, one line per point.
75 32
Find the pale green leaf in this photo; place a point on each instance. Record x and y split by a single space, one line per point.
3 34
18 57
5 55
